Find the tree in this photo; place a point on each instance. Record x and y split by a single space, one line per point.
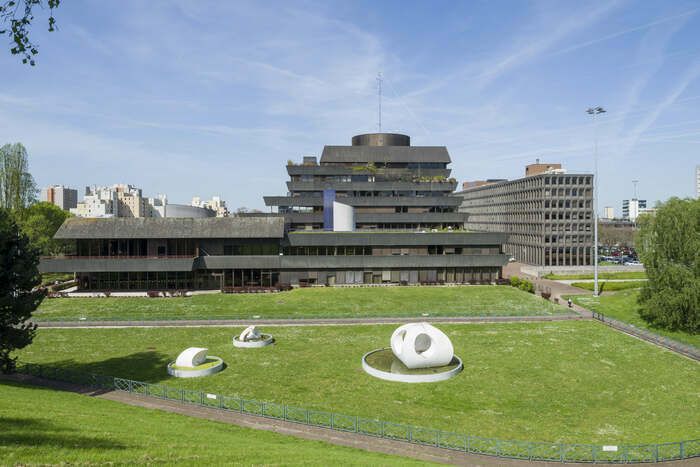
17 187
18 15
669 243
40 222
19 297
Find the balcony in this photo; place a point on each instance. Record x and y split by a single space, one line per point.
385 218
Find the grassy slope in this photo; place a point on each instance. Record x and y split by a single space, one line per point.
623 306
563 381
310 302
601 275
605 286
40 426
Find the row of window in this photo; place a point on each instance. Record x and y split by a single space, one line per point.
389 251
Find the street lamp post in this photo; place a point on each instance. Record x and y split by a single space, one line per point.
593 111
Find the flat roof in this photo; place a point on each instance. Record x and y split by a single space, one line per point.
150 227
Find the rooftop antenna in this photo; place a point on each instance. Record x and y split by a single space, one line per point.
634 182
379 99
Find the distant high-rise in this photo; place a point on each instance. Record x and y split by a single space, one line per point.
632 208
697 182
64 198
608 212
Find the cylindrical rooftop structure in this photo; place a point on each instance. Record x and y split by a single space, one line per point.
381 139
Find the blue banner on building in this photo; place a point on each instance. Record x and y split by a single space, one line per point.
328 198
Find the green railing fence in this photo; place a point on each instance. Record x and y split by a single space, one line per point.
684 349
527 450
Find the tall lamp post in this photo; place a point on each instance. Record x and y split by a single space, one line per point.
593 111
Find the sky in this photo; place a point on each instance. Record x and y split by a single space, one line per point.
212 98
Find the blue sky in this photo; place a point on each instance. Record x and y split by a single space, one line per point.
204 98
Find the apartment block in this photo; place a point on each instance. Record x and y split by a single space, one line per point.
632 208
63 197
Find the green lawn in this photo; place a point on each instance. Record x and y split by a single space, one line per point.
44 426
573 381
605 286
322 302
623 306
601 275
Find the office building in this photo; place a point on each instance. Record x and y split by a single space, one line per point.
63 197
326 232
547 215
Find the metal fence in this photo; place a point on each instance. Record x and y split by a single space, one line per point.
685 349
526 450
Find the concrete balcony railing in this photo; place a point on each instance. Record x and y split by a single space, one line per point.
116 263
309 201
443 186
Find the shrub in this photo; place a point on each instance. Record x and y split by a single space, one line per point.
522 284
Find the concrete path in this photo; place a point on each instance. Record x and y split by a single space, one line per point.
570 281
303 322
354 440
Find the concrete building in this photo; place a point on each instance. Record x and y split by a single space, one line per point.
293 246
548 215
63 197
391 185
632 208
608 212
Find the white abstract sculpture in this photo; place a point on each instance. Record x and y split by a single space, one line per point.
250 333
420 345
191 357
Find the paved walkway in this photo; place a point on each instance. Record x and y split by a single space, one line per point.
303 322
354 440
571 281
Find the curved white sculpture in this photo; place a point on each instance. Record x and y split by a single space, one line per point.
250 333
191 357
187 364
252 337
420 345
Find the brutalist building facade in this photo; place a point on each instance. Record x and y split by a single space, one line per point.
548 215
406 229
389 183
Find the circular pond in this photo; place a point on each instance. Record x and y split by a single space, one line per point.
382 363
